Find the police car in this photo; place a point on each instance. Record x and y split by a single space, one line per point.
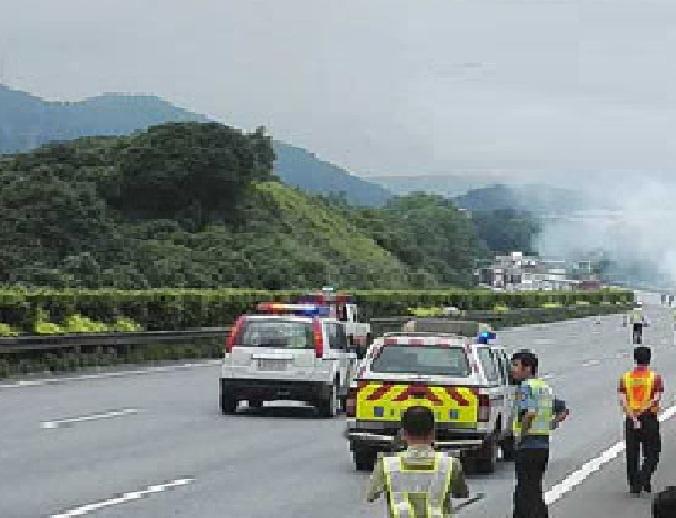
287 352
465 383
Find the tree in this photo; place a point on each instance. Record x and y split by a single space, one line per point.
191 169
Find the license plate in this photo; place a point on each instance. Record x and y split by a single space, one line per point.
272 365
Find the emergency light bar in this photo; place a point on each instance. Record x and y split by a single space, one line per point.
301 310
485 336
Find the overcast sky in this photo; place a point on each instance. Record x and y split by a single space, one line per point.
379 86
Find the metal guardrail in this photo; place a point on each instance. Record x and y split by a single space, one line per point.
27 343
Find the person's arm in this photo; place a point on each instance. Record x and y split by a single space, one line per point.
561 411
376 485
624 402
530 405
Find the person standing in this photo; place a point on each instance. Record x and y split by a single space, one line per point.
419 482
532 425
640 391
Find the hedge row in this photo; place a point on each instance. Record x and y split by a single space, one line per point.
174 309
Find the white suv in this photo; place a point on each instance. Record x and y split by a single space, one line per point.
297 355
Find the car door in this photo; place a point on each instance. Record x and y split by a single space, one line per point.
340 351
507 388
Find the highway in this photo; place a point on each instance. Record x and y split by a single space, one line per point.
156 444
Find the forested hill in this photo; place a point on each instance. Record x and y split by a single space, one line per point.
197 205
27 121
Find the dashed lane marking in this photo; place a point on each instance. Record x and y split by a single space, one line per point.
71 420
125 497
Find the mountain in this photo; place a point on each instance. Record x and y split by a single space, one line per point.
27 121
539 199
300 168
449 185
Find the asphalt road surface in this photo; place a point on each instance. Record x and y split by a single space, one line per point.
156 445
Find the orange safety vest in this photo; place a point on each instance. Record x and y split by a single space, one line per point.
639 386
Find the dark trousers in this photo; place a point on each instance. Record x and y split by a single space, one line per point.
646 441
638 334
530 467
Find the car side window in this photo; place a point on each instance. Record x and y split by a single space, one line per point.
337 339
502 366
341 337
488 363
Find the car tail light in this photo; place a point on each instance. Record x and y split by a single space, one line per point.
318 338
235 331
351 400
484 414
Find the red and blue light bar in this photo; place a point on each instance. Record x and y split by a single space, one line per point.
301 310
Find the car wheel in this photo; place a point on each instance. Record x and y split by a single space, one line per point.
508 450
364 459
487 457
329 407
228 403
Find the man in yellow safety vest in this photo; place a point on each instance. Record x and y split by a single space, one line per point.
419 482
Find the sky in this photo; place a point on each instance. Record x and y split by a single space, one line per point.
545 88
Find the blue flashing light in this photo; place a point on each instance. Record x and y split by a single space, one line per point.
485 336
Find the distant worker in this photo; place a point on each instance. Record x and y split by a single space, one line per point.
637 323
640 391
419 482
664 504
536 414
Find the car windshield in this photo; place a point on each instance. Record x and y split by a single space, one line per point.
276 333
429 360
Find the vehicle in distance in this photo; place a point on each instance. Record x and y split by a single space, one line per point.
287 352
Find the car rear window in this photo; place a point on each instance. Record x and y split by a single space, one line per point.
430 360
276 333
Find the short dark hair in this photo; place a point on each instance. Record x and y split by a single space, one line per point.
664 503
642 355
418 421
527 359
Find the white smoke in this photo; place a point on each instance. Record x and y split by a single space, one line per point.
640 235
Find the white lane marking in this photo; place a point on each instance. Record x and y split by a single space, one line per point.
93 417
591 363
576 478
125 497
102 375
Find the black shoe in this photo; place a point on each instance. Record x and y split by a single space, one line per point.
635 491
647 487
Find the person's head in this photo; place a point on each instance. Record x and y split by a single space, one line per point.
524 365
664 503
642 355
418 425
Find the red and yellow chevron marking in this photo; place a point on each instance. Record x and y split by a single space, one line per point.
386 401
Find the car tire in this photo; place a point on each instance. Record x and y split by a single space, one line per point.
487 458
508 449
364 459
328 407
228 403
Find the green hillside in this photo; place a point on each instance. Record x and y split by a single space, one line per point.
198 205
